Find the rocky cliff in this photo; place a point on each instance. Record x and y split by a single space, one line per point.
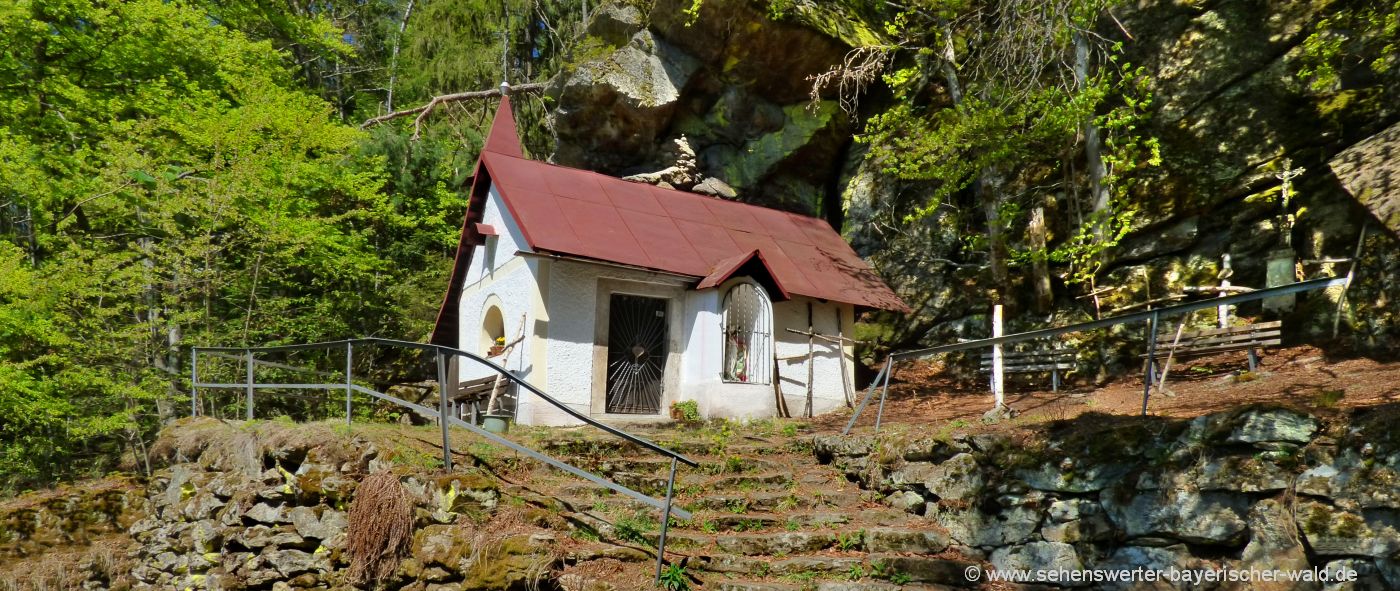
1231 108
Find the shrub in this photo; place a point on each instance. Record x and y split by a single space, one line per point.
687 411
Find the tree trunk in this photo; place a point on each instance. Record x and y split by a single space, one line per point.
394 59
1040 264
987 190
1098 193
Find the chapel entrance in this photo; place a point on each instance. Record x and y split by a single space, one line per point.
636 354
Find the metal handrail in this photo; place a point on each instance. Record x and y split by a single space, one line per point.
458 352
1151 316
442 414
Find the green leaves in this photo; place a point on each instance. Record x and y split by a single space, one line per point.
167 182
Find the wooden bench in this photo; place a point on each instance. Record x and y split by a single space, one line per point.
1200 343
472 393
1041 361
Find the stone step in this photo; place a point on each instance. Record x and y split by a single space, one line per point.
778 501
769 544
603 550
745 481
755 586
924 569
756 521
819 585
893 539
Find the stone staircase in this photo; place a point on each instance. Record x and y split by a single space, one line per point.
767 517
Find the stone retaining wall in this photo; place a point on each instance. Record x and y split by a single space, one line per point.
1256 488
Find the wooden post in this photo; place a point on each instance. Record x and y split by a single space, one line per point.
845 384
1167 366
1223 312
778 389
997 383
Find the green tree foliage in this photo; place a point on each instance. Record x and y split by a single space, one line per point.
991 102
168 180
1358 40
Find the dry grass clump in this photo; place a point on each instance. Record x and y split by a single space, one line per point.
381 527
103 561
238 446
219 444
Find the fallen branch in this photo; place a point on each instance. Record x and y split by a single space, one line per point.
422 112
1218 289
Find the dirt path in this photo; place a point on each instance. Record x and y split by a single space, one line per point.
923 393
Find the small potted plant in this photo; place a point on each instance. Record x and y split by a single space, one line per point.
497 348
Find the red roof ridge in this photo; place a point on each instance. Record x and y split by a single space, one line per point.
504 138
710 198
726 268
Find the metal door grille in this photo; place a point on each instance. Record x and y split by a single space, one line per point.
748 335
636 354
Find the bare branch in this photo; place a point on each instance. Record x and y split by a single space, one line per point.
861 67
423 111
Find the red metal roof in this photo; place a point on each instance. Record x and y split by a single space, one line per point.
586 214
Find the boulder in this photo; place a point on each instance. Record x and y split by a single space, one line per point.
1273 425
906 500
621 103
827 447
441 545
290 563
1254 473
1038 556
615 22
1352 477
715 187
1074 478
1076 520
972 527
887 539
958 478
320 523
1273 544
267 514
1196 517
1160 559
1332 531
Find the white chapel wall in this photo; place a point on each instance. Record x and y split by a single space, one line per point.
503 280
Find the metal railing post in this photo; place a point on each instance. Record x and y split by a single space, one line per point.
249 384
870 391
1151 361
349 357
194 379
442 409
884 391
665 522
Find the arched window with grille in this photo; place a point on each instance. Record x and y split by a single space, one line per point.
748 335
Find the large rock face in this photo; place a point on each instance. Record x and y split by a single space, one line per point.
1231 107
732 82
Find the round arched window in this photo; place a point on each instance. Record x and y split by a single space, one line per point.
748 335
493 331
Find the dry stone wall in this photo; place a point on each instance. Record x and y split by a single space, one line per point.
1266 488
